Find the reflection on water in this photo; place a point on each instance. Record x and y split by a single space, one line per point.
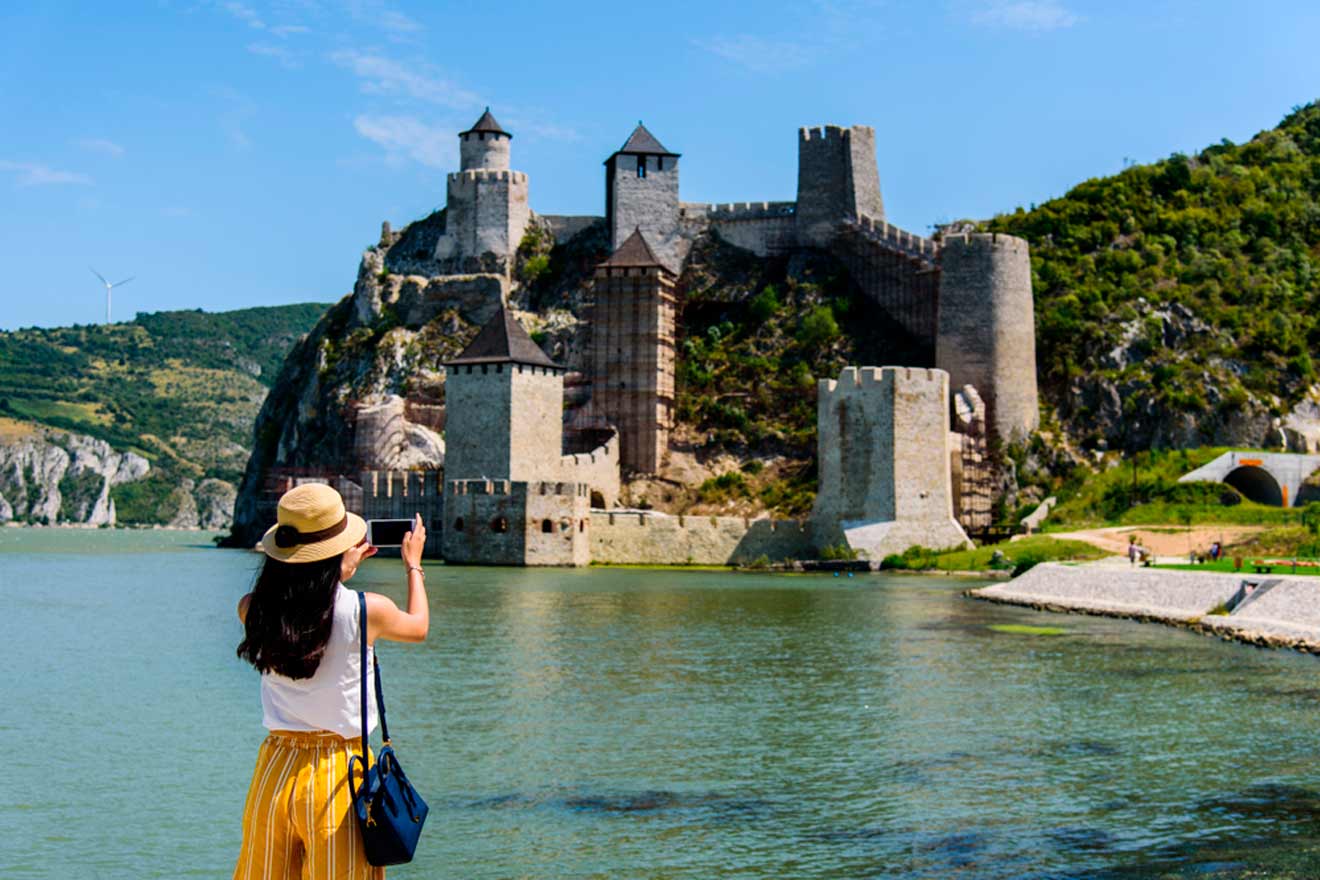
610 723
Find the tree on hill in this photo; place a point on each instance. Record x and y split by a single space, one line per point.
1176 301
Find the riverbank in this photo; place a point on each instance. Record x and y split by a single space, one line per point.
1282 611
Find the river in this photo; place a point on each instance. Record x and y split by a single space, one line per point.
612 723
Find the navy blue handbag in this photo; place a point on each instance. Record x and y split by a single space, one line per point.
389 810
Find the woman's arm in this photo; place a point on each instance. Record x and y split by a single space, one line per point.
384 619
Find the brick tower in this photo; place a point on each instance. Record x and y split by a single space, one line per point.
632 351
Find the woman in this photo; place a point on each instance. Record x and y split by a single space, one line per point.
301 633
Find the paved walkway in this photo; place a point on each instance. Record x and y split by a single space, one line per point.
1286 613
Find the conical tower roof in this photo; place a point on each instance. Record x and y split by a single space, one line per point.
635 252
486 123
503 341
642 142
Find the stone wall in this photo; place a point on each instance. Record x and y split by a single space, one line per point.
884 480
987 328
565 226
764 228
647 203
478 405
501 522
895 270
660 539
598 470
487 212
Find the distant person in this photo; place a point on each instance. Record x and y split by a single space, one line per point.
301 632
1215 551
1133 550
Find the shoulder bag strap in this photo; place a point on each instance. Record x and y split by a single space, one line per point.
362 687
362 684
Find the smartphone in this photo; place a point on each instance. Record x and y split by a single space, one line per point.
388 532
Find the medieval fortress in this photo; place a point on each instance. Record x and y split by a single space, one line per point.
901 449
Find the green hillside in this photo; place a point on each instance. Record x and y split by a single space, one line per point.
182 388
1175 298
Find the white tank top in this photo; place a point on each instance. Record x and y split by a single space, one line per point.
329 699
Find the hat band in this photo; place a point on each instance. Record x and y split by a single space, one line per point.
287 536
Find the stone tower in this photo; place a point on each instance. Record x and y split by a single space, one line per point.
486 205
986 328
641 192
837 180
504 404
632 351
882 435
505 499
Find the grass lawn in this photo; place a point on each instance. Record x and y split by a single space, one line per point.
1040 548
1312 566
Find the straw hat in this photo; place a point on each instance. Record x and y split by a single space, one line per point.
311 525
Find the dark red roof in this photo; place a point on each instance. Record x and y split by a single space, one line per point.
503 341
634 252
642 142
486 123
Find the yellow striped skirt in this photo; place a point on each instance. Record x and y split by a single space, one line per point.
298 823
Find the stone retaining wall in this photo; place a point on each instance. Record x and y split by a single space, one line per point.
658 539
1285 615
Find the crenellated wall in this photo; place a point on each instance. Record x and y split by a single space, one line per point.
896 270
660 539
986 327
764 228
503 522
597 469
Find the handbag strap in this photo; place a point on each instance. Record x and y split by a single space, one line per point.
362 685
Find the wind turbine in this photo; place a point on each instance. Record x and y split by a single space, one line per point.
109 287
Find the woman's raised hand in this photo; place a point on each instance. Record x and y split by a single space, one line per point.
413 544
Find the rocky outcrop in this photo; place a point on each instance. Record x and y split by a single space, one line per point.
50 477
215 503
1128 398
54 478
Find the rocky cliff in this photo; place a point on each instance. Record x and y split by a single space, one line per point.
49 477
52 477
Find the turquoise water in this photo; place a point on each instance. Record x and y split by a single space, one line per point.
661 724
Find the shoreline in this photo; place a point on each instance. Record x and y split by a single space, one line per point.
87 527
1283 612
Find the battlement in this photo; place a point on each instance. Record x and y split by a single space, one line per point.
899 239
824 133
917 379
985 241
402 484
486 174
648 518
606 452
518 488
747 211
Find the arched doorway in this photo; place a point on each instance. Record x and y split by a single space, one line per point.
1256 484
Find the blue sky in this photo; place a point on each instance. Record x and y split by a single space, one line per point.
243 152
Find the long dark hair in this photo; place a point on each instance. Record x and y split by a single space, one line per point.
289 616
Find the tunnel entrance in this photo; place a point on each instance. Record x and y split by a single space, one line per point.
1256 484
